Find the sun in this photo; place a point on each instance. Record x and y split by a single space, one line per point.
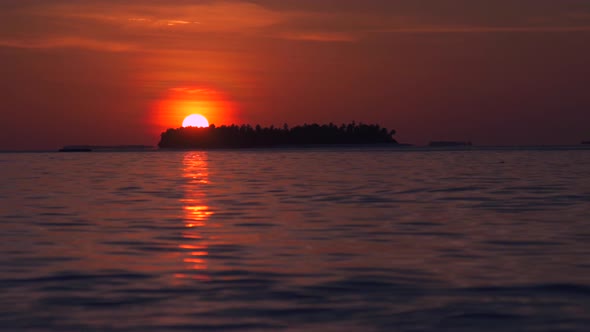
195 120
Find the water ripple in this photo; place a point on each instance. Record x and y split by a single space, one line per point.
296 240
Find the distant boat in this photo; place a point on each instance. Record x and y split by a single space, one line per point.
103 148
66 149
439 144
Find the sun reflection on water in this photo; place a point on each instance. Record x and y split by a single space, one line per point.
196 214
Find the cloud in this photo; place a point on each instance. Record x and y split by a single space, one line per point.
68 42
153 25
484 29
129 26
214 16
321 36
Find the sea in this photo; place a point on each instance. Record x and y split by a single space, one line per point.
327 239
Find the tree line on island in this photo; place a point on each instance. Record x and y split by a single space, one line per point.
246 136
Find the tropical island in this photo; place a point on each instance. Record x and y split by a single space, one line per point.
246 136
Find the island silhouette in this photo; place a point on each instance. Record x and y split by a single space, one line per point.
246 136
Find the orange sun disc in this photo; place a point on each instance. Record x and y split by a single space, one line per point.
195 120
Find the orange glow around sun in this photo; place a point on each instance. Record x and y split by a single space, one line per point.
179 104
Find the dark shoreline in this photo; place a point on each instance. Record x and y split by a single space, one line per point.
392 147
248 136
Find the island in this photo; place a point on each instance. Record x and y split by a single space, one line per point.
246 136
585 142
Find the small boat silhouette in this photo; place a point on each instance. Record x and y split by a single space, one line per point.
67 149
438 144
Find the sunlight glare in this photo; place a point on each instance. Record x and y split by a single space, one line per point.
195 120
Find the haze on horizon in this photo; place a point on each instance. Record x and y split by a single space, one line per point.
121 72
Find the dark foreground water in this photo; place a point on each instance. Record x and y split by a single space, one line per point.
321 240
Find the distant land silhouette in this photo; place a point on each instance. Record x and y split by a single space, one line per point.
246 136
89 148
441 144
585 142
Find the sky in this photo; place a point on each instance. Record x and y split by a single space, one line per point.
103 72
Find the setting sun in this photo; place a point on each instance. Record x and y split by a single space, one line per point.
195 120
176 106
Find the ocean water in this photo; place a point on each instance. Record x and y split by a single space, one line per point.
296 240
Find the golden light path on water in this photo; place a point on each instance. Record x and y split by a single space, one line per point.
196 212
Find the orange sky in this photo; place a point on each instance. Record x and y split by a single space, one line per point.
121 72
